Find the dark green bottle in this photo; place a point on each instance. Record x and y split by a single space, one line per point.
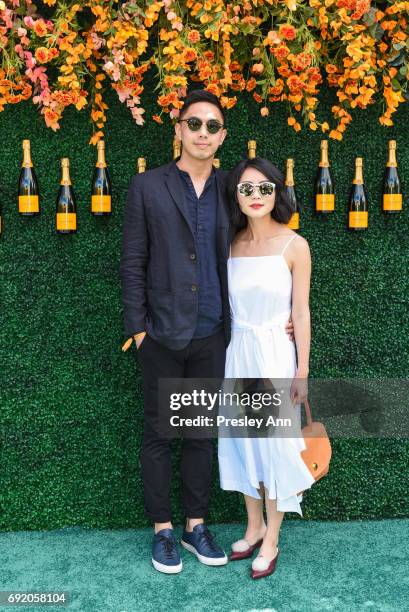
66 213
392 192
358 200
294 222
28 191
324 185
101 191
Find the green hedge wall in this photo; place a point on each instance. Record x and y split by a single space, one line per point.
71 401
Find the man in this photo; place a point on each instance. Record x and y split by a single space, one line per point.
173 271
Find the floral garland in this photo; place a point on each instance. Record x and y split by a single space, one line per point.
279 50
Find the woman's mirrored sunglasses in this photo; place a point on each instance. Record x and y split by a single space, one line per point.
246 188
194 124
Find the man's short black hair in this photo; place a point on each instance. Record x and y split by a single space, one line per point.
282 210
201 95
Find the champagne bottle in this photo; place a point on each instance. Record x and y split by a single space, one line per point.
392 193
252 147
101 190
141 163
216 162
294 222
358 200
324 185
177 146
66 214
28 192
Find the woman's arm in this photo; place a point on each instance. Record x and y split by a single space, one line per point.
300 311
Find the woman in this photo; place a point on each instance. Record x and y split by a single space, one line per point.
269 272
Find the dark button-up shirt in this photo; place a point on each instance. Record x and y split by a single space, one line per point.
202 216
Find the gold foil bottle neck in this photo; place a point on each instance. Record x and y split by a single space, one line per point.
252 148
289 176
141 164
324 163
26 163
101 163
65 167
358 179
392 163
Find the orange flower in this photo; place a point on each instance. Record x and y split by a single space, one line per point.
280 52
193 36
302 61
278 88
40 28
189 55
287 31
41 55
251 84
257 97
157 118
264 112
294 83
291 121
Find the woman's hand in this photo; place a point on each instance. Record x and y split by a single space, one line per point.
289 328
299 389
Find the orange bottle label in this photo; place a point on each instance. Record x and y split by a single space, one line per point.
358 218
101 203
294 222
66 221
325 201
28 203
392 201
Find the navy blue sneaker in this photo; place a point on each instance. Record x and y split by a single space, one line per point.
201 543
165 554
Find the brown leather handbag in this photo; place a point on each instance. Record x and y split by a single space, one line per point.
317 455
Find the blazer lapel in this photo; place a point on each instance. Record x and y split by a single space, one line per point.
175 187
222 222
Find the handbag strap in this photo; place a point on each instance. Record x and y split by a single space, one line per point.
308 411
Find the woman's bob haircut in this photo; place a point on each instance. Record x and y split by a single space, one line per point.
282 210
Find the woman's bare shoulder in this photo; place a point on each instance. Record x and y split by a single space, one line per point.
300 247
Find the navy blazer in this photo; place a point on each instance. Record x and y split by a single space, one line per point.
158 267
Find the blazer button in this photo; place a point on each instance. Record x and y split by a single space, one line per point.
193 287
192 255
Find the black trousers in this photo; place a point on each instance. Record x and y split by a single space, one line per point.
201 358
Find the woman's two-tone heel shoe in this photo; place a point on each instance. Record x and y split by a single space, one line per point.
243 550
262 567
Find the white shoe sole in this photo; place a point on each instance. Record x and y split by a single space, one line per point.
167 569
202 559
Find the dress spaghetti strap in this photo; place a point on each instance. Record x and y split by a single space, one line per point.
289 241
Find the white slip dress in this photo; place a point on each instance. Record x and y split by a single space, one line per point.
260 292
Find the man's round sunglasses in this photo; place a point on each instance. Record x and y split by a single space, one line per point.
194 124
246 188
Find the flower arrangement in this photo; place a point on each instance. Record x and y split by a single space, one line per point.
282 51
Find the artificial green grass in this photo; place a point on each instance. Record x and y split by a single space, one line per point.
333 566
